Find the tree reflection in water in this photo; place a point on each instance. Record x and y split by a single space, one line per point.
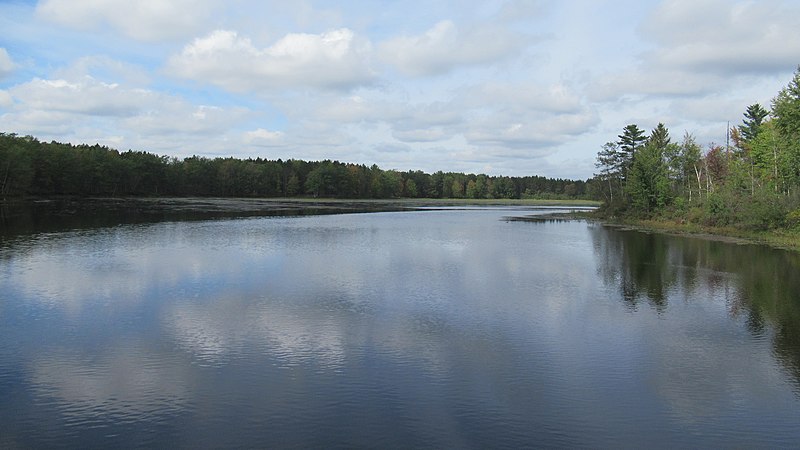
760 285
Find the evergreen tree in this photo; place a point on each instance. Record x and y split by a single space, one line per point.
648 184
753 118
631 139
659 137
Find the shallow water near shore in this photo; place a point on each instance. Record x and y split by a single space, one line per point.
442 328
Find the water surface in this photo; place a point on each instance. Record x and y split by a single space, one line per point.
441 329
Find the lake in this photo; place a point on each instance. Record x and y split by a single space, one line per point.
422 328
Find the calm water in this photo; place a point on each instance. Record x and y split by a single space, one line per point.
437 329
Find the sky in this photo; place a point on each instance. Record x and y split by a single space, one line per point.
516 88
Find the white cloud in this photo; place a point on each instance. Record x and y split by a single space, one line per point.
147 20
516 10
433 134
177 117
264 138
5 99
351 109
704 46
534 132
557 98
88 110
446 47
85 96
332 60
6 64
652 81
724 37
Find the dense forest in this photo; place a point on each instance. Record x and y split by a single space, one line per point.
29 167
751 182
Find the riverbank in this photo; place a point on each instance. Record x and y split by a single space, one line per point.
782 239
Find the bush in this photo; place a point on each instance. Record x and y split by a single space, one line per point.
763 211
717 210
793 219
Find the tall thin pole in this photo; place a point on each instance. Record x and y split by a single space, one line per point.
728 138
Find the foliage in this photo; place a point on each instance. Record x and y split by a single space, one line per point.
630 140
753 118
29 167
648 184
753 186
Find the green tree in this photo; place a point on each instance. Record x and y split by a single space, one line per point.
16 165
786 113
660 137
481 186
610 162
471 189
293 185
753 118
411 188
631 139
689 167
648 183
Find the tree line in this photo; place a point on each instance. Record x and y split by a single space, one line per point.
751 182
29 167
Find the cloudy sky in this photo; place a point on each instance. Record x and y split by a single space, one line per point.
519 87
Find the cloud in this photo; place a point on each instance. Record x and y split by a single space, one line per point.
702 46
176 116
264 138
525 116
6 64
446 47
86 96
351 109
5 99
332 60
534 132
723 37
516 10
433 134
654 82
557 98
146 20
85 109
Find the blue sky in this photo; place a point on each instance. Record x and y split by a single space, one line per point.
515 88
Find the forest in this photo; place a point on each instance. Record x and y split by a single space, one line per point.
30 168
751 182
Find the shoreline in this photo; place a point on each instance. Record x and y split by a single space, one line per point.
783 240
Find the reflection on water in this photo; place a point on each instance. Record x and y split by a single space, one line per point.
443 329
758 285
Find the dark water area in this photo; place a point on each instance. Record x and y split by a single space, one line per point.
58 214
448 328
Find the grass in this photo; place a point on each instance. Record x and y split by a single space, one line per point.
783 239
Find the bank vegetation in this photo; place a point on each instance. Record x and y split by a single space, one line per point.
748 186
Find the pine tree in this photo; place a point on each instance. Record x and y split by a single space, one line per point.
753 118
631 139
659 137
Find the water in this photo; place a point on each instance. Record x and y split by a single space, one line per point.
453 328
